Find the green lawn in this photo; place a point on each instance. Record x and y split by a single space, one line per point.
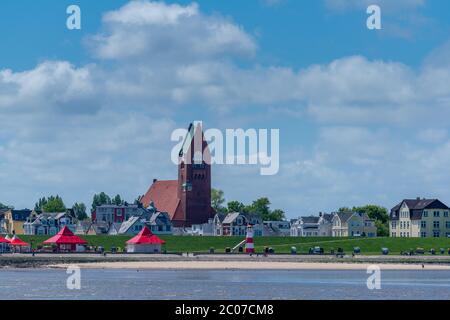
368 246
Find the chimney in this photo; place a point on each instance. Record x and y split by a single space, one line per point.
155 180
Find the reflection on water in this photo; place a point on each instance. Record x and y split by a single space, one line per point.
220 284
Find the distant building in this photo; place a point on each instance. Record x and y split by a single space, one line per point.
108 220
276 228
235 224
116 214
204 229
187 200
353 224
14 220
48 223
312 226
420 218
2 222
159 223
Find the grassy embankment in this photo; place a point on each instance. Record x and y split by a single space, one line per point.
369 246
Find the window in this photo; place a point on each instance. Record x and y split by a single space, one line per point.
394 224
447 224
436 224
425 214
423 224
436 234
436 214
423 234
446 214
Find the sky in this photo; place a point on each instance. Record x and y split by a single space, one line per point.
363 114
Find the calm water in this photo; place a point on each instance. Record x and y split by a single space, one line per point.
215 284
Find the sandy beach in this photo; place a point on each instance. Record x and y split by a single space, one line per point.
251 265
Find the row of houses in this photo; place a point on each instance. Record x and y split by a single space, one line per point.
341 224
106 220
418 217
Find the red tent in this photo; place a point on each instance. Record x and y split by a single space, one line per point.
145 237
15 241
3 240
65 236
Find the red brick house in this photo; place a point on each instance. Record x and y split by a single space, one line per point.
188 199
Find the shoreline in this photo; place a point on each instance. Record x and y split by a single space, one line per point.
223 261
249 265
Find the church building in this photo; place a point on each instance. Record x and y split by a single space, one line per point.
188 199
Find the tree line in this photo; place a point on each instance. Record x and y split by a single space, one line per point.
260 207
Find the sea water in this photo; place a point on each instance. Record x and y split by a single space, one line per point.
222 284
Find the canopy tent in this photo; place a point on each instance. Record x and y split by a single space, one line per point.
4 245
145 242
16 242
66 240
3 240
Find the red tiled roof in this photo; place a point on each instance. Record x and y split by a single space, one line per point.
164 194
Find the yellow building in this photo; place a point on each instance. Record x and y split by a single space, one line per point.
14 220
420 218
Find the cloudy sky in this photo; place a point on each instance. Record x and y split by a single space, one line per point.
363 115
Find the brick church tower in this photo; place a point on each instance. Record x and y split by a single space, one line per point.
188 199
194 177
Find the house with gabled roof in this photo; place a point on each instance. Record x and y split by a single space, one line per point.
419 217
312 226
235 224
352 224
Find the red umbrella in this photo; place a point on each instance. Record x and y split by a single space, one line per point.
3 240
145 237
65 236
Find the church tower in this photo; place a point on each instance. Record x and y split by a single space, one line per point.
194 177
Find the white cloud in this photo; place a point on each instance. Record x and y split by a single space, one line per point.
155 30
76 130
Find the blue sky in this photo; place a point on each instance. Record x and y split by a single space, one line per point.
362 114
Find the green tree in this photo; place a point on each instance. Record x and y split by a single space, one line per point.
53 204
235 206
100 199
217 200
80 211
117 200
277 215
379 214
261 207
39 205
